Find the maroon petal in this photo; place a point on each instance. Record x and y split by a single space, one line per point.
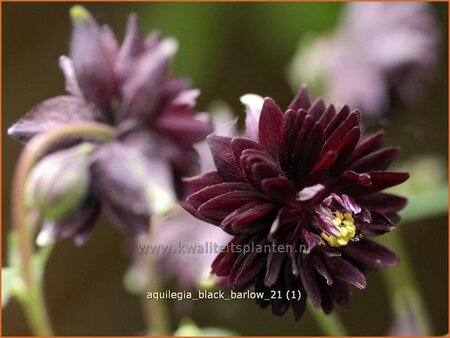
291 121
249 270
298 305
370 254
51 114
327 302
248 218
261 170
320 267
210 192
382 180
221 206
376 161
194 184
350 122
340 293
346 145
274 264
301 100
308 277
309 154
238 145
383 202
225 261
256 166
193 211
317 109
270 126
345 271
350 181
328 251
278 190
279 306
325 162
224 158
368 144
336 121
327 116
302 136
376 227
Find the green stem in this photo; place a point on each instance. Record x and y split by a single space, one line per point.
33 301
157 314
156 310
402 286
330 324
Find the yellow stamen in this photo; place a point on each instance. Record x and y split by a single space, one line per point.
345 225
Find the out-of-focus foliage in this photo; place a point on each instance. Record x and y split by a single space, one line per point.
12 282
427 188
188 328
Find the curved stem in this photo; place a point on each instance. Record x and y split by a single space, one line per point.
330 324
35 149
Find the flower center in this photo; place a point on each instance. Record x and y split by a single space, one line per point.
345 225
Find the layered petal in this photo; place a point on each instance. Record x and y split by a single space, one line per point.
312 183
51 114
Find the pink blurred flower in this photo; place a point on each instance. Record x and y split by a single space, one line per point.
381 53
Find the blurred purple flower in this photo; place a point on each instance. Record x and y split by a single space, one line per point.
181 228
128 88
309 179
196 241
382 53
405 325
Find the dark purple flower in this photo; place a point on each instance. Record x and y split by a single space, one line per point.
128 88
311 183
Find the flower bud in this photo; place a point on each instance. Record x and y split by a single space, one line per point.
59 183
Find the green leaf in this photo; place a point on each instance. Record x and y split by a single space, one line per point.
217 331
426 189
426 204
12 284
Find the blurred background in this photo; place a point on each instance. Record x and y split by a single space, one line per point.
227 49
